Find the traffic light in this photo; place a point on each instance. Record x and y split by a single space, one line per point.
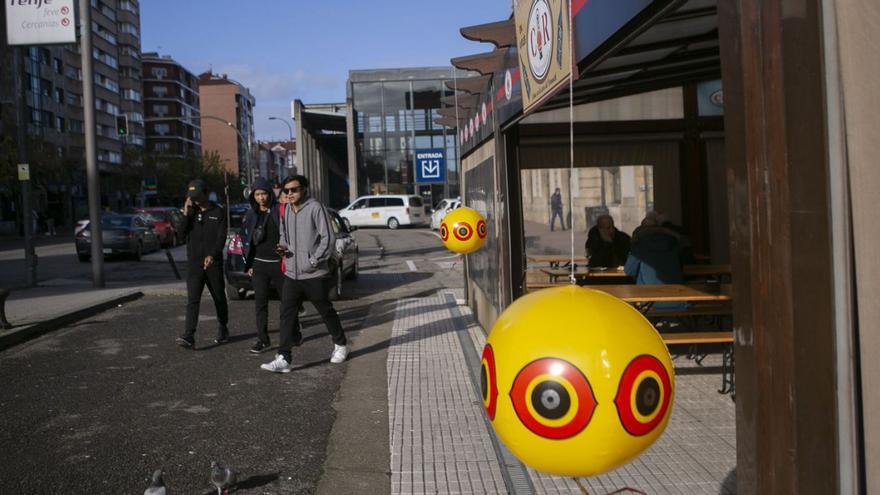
242 179
122 125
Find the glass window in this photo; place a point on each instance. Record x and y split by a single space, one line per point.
376 202
359 204
394 202
415 201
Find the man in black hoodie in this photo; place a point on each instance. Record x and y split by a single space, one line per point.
261 260
204 224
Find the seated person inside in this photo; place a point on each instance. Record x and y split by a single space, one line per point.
654 257
606 246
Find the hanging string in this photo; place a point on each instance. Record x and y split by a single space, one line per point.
457 137
571 138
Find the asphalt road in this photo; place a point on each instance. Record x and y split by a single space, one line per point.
97 406
56 258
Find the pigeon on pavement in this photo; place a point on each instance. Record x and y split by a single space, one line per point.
222 477
157 487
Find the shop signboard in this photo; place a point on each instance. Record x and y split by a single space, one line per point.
544 47
40 22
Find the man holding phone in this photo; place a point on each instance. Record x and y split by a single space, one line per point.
204 224
305 246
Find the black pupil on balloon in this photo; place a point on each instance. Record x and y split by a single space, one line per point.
482 229
647 396
462 231
551 400
484 382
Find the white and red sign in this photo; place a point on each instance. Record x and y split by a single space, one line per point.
40 22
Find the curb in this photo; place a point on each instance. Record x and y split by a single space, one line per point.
25 333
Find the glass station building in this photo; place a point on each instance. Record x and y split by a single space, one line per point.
394 113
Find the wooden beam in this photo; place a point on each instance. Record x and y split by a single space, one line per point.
777 166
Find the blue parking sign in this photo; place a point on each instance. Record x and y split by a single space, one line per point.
430 166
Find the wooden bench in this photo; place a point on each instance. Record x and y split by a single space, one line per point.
696 310
694 339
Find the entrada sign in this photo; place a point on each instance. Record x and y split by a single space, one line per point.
40 22
431 166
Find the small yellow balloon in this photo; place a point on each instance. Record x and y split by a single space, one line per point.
576 382
463 230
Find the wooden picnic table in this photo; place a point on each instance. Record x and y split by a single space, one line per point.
691 271
717 270
556 273
555 259
650 294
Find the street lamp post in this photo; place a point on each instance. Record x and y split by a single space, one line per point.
289 154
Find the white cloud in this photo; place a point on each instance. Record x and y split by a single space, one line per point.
275 88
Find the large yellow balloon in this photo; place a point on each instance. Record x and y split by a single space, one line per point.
576 382
463 230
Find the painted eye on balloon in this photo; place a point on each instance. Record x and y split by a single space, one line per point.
462 231
553 399
488 384
444 232
482 230
643 396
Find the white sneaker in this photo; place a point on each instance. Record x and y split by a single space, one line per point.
340 352
278 365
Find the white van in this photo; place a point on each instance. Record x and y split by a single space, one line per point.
387 209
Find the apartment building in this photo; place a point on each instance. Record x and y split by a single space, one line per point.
171 106
227 122
50 92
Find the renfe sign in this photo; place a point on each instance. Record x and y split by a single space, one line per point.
430 166
40 22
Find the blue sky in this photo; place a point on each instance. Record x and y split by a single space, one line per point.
287 49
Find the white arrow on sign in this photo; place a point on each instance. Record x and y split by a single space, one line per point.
431 169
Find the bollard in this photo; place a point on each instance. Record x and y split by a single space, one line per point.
4 323
173 265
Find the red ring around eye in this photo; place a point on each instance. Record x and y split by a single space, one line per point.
488 383
481 229
462 231
566 416
641 377
444 232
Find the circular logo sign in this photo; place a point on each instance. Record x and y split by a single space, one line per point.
541 39
508 85
717 98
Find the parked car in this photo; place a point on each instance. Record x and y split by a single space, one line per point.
343 263
167 222
388 210
121 234
443 207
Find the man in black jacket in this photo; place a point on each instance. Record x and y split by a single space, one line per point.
606 246
204 224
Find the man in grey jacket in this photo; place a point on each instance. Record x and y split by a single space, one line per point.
306 244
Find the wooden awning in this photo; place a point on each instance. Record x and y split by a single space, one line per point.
484 63
446 121
473 85
463 100
502 34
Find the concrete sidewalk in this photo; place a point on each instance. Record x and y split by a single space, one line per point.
441 442
56 303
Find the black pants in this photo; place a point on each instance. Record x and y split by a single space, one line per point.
196 279
265 273
553 219
316 291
